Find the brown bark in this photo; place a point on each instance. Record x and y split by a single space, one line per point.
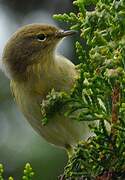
105 176
115 101
115 107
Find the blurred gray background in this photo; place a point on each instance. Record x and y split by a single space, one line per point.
19 143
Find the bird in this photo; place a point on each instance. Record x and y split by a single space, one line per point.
35 68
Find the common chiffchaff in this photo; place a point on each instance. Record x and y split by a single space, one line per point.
35 69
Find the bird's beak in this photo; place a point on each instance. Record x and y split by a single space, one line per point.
62 33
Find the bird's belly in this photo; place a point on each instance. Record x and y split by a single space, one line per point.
60 130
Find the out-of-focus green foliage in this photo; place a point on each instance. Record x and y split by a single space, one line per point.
28 173
1 171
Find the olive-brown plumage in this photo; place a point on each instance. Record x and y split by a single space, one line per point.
35 69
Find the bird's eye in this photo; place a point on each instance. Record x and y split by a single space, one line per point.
41 37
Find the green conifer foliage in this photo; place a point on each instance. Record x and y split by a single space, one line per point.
99 92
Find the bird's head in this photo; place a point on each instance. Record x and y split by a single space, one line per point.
30 44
